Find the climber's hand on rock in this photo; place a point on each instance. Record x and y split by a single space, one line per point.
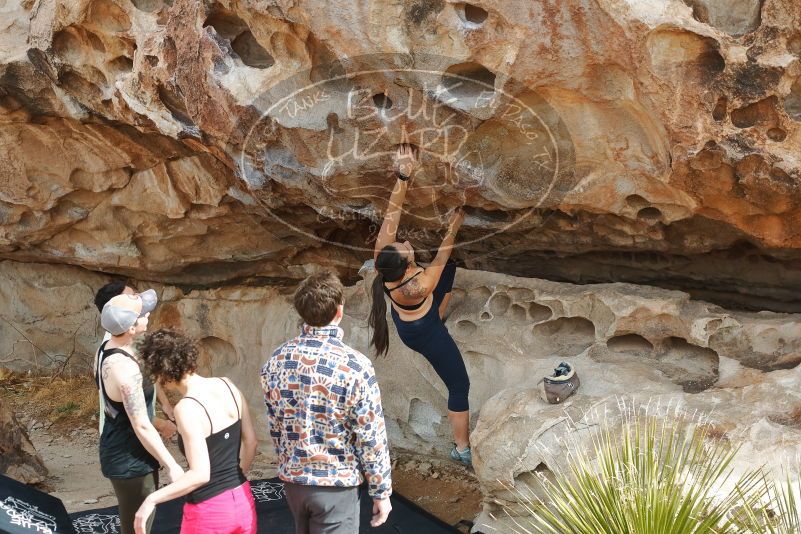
406 160
455 221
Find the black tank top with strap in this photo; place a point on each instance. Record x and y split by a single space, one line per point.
411 307
223 447
122 455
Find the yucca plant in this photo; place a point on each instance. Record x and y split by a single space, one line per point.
647 475
780 514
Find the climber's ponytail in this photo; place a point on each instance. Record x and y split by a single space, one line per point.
378 317
390 266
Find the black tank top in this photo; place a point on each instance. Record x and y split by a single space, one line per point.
223 446
122 455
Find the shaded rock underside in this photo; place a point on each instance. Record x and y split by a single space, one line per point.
156 139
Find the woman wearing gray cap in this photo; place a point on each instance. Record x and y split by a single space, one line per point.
131 449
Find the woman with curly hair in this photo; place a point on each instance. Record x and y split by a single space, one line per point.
216 435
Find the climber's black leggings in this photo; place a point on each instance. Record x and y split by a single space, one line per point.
429 336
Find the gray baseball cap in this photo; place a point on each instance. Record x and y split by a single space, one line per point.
117 320
149 301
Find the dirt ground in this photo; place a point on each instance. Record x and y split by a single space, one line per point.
441 487
60 418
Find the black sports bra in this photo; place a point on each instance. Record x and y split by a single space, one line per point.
412 307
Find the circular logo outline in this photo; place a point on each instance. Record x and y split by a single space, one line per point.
554 144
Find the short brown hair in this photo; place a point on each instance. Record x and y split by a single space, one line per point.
317 298
168 354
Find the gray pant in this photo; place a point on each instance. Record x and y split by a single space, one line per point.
323 509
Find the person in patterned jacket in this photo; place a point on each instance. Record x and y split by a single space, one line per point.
325 418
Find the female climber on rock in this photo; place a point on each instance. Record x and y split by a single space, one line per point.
419 298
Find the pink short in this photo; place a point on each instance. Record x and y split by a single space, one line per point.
230 512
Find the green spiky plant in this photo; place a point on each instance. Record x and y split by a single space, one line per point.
648 475
787 519
781 513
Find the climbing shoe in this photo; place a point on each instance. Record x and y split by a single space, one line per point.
464 457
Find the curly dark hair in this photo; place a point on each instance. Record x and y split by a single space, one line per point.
168 355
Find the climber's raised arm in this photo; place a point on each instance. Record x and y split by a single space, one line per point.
406 163
431 274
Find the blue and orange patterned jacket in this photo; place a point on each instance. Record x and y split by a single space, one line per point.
324 413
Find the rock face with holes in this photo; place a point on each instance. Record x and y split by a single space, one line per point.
222 150
650 345
18 459
647 346
201 142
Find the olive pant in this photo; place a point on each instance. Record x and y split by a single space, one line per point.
131 493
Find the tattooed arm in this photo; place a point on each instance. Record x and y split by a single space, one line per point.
129 380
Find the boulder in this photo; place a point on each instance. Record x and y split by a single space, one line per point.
18 458
629 171
640 345
591 141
